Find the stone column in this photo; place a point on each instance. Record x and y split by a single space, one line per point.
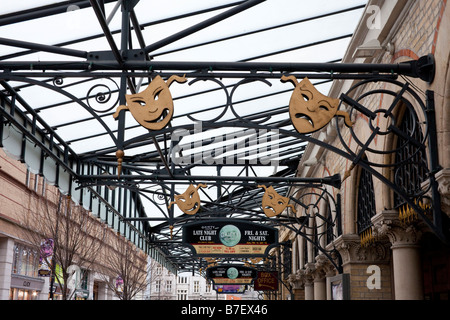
309 281
6 261
357 261
296 281
45 289
323 268
408 282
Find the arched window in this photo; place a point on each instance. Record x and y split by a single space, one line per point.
411 169
366 202
330 236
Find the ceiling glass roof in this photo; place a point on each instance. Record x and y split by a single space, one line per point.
34 32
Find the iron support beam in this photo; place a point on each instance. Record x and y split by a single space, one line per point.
43 47
198 74
43 11
182 34
334 181
440 220
108 19
422 68
109 37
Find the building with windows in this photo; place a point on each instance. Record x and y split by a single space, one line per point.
376 247
24 276
165 285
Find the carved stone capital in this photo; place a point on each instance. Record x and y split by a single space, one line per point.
443 180
297 280
387 224
324 267
309 274
349 246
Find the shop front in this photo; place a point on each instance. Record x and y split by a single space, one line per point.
25 288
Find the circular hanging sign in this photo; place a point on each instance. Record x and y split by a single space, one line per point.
230 235
232 273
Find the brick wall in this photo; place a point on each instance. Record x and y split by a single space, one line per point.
416 36
358 283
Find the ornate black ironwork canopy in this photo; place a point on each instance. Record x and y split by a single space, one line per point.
229 132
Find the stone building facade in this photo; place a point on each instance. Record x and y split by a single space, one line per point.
390 255
19 254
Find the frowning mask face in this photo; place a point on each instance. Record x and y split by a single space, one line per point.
273 204
189 201
310 110
153 107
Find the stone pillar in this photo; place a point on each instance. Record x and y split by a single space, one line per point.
320 290
323 268
408 282
45 289
358 260
309 281
297 284
6 261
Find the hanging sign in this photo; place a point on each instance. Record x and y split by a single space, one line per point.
229 238
45 258
231 274
230 288
266 281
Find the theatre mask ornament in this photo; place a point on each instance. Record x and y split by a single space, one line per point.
272 203
310 110
189 201
153 107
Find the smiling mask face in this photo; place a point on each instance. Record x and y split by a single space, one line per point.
153 107
189 201
310 110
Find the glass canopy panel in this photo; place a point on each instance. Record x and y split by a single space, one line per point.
272 31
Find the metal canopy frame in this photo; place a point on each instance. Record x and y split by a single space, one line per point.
152 175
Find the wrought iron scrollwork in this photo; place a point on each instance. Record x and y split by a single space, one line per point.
381 121
227 101
102 94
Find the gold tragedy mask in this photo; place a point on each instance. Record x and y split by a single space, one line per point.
273 204
310 110
189 201
153 107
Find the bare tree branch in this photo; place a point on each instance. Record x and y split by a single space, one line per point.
76 235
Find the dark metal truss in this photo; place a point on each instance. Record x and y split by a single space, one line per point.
153 175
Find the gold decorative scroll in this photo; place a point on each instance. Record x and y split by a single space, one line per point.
310 110
153 107
272 203
189 201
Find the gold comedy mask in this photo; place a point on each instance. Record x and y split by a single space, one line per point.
310 110
189 201
153 107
